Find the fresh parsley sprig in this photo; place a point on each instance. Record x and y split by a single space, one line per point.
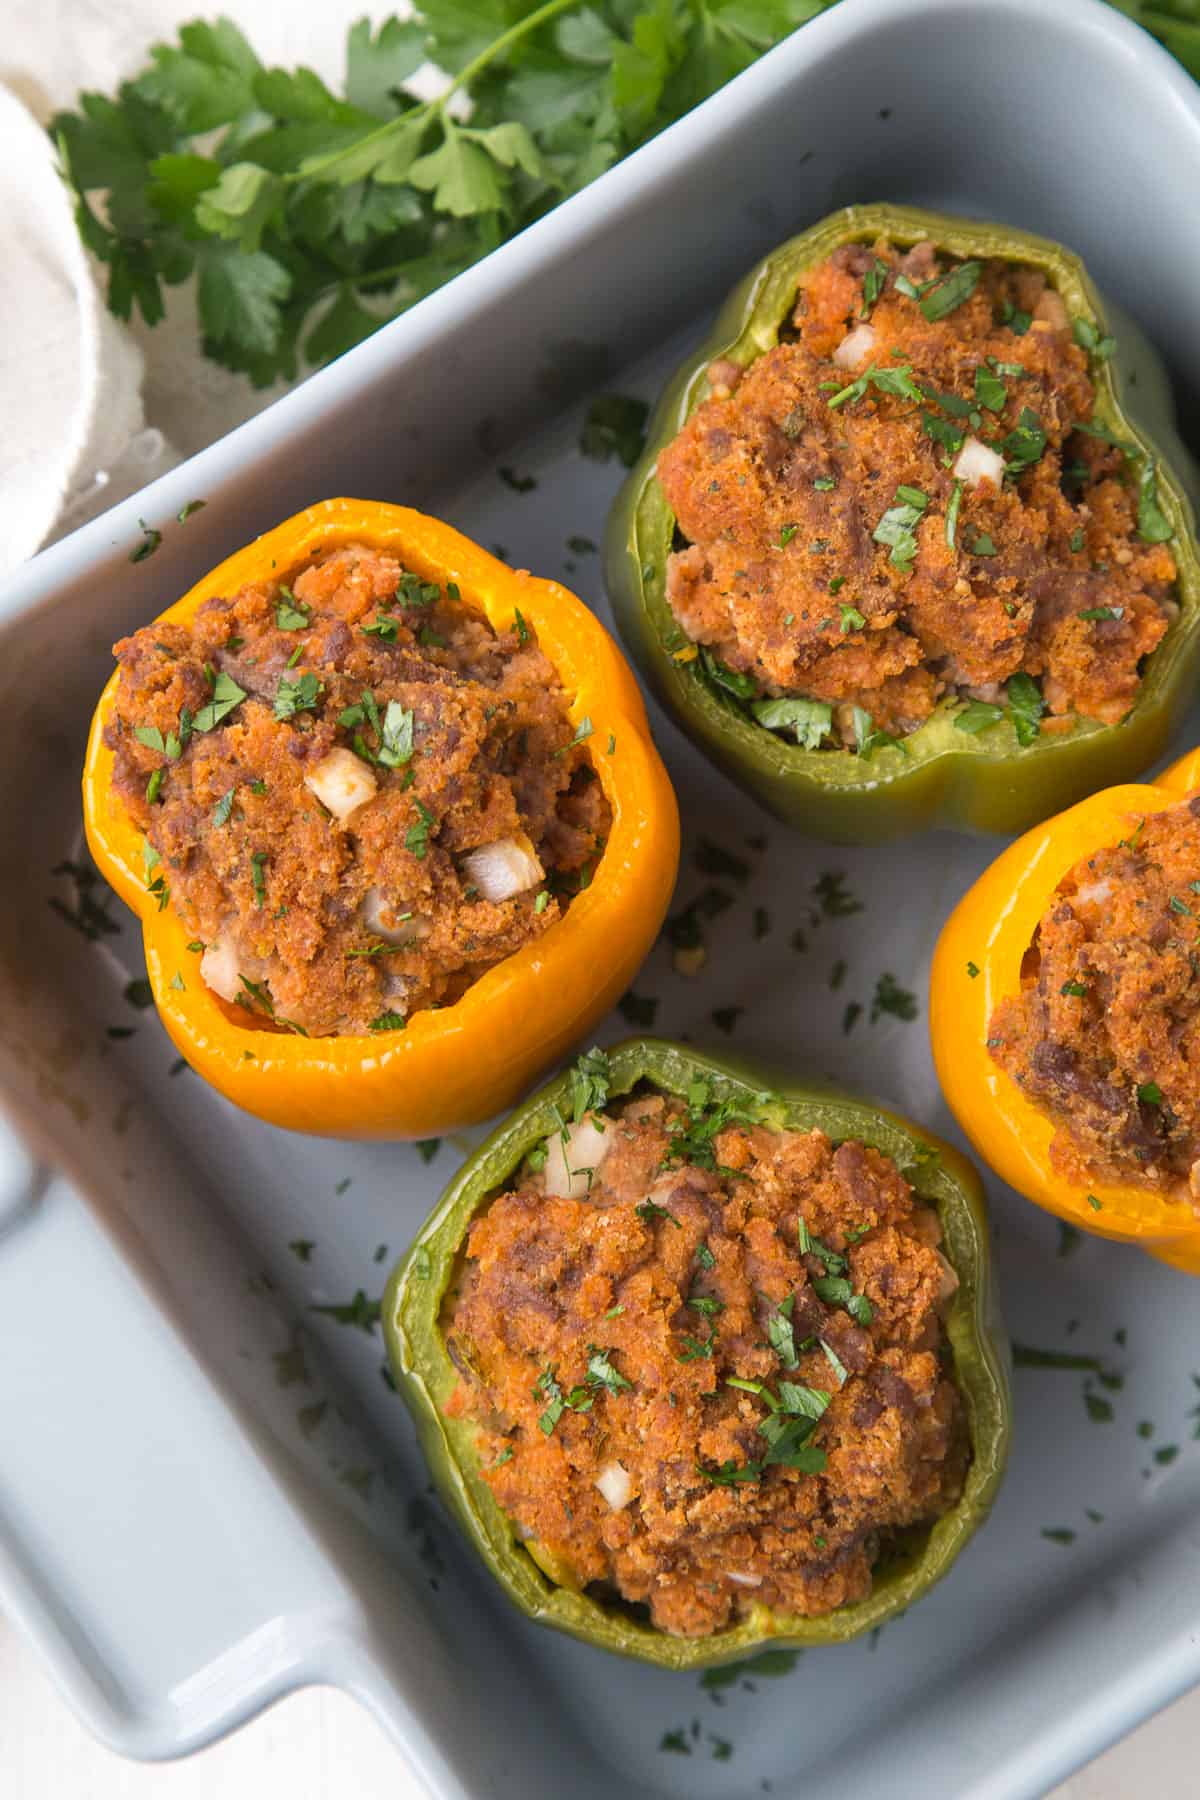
309 218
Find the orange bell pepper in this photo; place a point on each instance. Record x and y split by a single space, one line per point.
989 931
459 1064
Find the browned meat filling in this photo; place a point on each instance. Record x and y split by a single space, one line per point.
360 797
888 508
1104 1036
709 1388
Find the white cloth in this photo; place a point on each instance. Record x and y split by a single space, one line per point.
93 409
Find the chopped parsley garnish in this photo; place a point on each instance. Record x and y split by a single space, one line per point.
983 545
873 285
895 528
1149 1093
1026 704
786 535
588 1083
290 615
952 511
840 1372
382 626
1018 322
395 736
1103 612
990 391
1089 338
867 737
226 694
824 484
705 1257
811 720
950 437
780 1335
223 808
188 508
416 838
948 292
972 970
697 1349
151 539
890 997
649 1210
578 1400
601 1373
1153 525
360 1311
301 695
1025 443
258 876
977 716
852 619
389 1021
898 381
743 687
1077 989
833 897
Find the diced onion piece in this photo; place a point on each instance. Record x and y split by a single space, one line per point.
500 870
744 1580
948 1285
855 347
388 921
977 462
342 783
1093 893
615 1484
570 1166
219 968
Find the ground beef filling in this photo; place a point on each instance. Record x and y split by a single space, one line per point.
1104 1036
623 1351
356 794
938 529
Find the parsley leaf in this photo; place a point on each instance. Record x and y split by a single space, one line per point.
226 694
1026 704
811 720
300 695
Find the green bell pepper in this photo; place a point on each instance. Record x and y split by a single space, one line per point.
426 1376
942 776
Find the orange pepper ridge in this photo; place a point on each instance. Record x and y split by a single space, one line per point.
459 1064
990 929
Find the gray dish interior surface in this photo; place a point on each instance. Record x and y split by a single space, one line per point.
207 1492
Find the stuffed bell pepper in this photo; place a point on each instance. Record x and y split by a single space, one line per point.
1065 1013
391 818
897 555
701 1364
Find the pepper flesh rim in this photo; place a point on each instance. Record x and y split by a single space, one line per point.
438 1073
642 523
425 1375
992 927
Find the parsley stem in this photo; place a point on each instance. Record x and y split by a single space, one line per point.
513 35
317 168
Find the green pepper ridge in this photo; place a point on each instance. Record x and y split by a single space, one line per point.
941 777
426 1376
